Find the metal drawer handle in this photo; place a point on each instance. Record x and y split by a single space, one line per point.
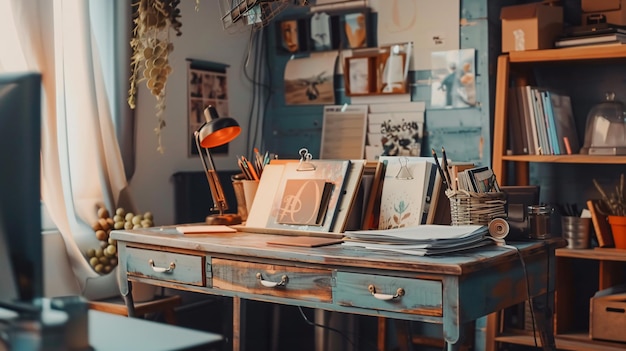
161 269
385 297
269 284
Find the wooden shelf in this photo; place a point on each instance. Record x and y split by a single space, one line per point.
569 54
598 254
610 264
590 159
570 341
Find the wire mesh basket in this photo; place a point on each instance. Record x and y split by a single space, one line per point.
475 208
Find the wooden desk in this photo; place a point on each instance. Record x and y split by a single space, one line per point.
451 290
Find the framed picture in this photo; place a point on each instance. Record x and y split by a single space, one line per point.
355 29
207 85
320 32
393 73
292 35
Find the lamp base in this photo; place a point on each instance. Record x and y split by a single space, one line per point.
224 219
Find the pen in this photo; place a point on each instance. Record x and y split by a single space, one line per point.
258 161
445 166
443 176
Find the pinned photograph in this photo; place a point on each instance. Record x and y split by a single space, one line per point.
454 79
309 81
207 85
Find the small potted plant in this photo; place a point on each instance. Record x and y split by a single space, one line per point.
614 206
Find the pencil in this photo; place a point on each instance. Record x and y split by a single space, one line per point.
443 176
445 166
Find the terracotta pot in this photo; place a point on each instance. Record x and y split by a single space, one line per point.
618 227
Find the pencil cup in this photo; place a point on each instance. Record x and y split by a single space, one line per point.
245 191
242 209
576 231
249 192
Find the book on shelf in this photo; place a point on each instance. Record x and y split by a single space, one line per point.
600 225
614 38
548 111
564 122
544 120
518 142
593 29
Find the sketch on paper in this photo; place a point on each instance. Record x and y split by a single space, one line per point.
454 79
395 134
309 81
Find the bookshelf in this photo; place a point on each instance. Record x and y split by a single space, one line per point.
607 266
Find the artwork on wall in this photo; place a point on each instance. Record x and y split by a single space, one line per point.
429 25
290 33
206 85
324 31
309 81
355 30
320 32
454 80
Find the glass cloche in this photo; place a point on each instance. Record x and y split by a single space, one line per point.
605 132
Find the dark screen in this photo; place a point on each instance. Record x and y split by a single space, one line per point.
20 210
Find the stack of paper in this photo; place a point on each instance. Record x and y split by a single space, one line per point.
430 239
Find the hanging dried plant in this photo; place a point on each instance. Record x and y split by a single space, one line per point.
154 20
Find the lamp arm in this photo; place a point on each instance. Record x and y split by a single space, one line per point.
217 192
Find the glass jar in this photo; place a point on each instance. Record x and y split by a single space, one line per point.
605 131
539 221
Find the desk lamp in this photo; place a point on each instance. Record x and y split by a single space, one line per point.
216 132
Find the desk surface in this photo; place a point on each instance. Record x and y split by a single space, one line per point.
451 289
256 245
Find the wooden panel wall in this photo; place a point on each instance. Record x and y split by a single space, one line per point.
465 132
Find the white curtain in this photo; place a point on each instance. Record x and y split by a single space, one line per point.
81 164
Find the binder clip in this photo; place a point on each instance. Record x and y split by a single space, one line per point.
305 160
403 172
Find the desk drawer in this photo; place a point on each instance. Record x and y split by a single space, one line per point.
274 280
167 266
415 296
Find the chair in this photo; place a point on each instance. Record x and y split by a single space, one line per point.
160 304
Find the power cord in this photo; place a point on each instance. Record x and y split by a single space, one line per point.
502 243
343 335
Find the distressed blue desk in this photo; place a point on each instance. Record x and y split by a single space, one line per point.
451 290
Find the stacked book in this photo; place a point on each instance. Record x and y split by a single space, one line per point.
423 240
607 35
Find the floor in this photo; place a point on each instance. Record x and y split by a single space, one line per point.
296 327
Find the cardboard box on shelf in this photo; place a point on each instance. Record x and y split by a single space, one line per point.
530 26
603 11
608 315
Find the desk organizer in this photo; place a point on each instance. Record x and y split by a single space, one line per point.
476 208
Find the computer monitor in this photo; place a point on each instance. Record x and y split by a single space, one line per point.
21 267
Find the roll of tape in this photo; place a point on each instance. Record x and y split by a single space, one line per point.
499 228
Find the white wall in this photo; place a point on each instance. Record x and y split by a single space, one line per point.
203 38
